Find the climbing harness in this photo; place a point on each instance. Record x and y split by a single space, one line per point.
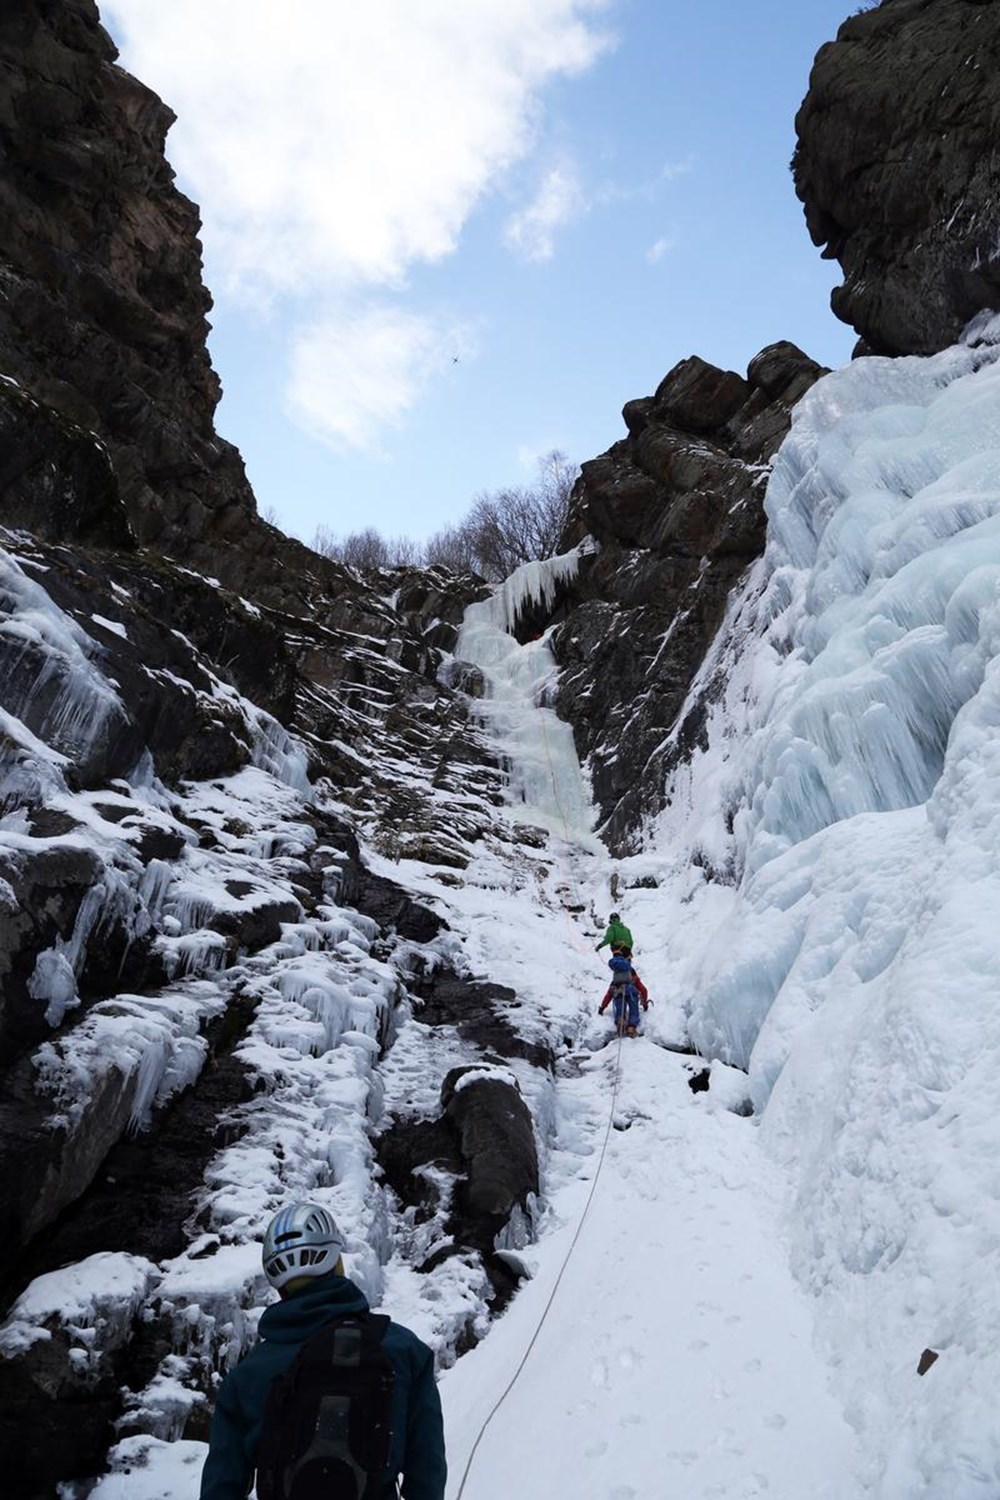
552 1295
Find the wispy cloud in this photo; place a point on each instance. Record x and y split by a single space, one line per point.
662 246
560 199
674 169
355 373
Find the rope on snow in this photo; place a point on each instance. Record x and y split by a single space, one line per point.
552 1295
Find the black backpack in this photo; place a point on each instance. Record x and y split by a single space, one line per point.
327 1427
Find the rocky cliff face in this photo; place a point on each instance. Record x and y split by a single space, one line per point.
193 755
176 871
898 169
100 272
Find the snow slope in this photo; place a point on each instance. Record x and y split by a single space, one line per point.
677 1356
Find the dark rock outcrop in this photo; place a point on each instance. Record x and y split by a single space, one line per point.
898 167
56 479
476 1009
497 1145
483 1147
677 509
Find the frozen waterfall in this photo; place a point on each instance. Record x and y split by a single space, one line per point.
537 747
841 940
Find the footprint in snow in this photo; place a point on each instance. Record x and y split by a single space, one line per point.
776 1421
599 1374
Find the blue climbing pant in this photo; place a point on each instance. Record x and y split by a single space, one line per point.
629 1000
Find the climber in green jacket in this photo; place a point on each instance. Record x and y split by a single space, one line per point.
617 934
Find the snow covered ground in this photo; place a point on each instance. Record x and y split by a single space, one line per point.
676 1356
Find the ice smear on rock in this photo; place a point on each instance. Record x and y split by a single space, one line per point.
78 698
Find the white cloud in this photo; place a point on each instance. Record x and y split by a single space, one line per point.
559 200
333 143
354 373
657 251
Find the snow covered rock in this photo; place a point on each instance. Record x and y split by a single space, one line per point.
65 1345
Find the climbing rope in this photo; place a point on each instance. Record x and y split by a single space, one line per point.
552 1295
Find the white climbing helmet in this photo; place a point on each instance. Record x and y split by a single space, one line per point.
301 1240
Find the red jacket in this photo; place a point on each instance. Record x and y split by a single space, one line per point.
643 993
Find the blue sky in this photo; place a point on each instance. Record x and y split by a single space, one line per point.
443 239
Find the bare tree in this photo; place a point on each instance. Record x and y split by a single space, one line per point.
515 526
367 549
325 543
454 547
504 529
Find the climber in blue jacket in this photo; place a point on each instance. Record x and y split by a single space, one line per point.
302 1259
623 992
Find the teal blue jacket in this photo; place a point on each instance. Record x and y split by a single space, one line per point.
417 1428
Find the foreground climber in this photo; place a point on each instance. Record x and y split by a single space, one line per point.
617 934
356 1410
625 992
